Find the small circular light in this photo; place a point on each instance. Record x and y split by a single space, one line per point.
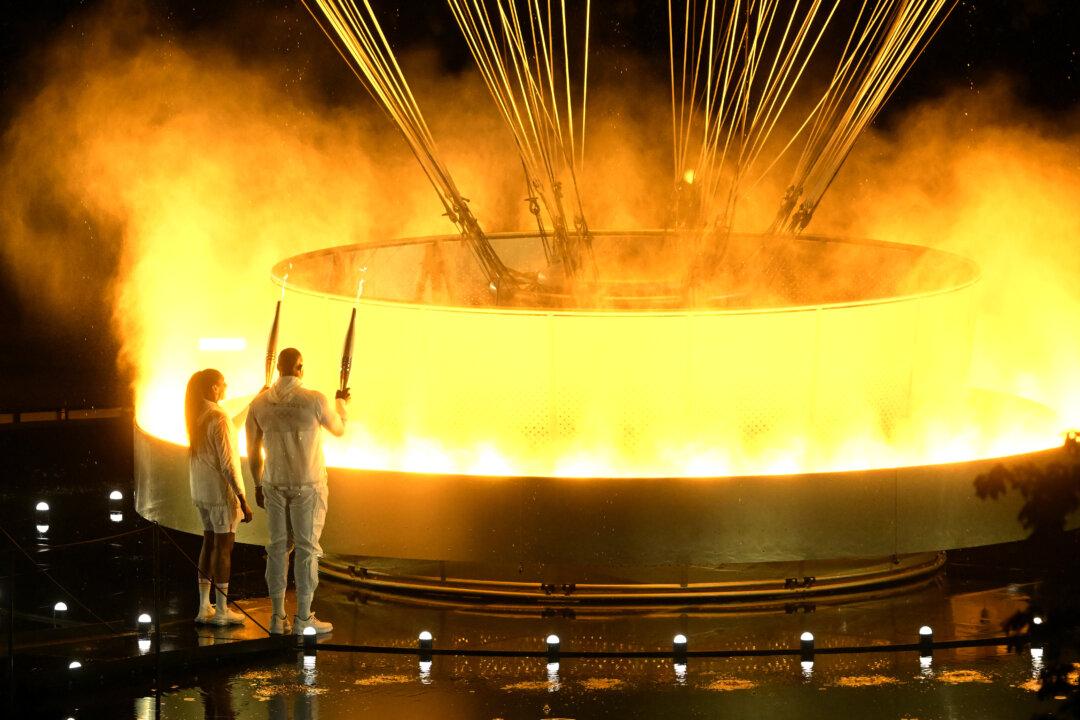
42 506
116 516
74 665
144 645
552 639
1036 620
116 495
925 630
42 528
145 619
425 636
60 607
309 630
680 639
807 636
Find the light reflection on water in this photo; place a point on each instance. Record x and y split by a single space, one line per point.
337 686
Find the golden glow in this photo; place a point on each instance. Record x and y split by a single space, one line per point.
107 141
217 344
635 394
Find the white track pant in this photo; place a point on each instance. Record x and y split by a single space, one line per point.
295 517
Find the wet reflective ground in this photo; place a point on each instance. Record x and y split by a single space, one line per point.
346 685
73 468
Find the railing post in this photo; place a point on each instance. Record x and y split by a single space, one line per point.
11 625
157 618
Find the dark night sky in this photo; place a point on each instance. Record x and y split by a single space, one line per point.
1034 43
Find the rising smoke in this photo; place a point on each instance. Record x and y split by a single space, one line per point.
165 176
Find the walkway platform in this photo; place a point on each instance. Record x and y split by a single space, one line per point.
43 659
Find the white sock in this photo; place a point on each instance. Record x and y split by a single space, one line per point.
303 606
222 602
277 606
204 593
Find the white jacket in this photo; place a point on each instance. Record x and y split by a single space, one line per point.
214 471
289 418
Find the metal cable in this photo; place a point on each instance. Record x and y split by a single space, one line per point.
54 581
1010 640
207 577
60 546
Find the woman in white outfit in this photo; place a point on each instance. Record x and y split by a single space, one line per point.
217 490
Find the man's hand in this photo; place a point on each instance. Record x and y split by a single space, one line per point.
259 499
343 395
246 509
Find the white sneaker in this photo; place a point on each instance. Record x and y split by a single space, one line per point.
279 625
227 618
321 626
206 615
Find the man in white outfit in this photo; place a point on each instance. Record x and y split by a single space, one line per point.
286 419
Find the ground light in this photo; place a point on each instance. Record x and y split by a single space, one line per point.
926 641
1036 633
42 514
807 668
553 649
116 495
426 642
309 643
74 665
806 645
678 649
143 624
144 645
58 610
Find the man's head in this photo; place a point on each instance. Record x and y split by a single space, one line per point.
290 362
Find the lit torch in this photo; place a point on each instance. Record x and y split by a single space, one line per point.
347 352
271 343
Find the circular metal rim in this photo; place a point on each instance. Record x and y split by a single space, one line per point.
893 575
280 270
638 523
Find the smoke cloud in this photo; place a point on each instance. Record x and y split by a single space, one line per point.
165 178
980 175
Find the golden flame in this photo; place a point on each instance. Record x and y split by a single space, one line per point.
197 173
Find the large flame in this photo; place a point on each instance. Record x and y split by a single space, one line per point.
200 173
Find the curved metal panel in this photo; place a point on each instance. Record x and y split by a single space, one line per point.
627 521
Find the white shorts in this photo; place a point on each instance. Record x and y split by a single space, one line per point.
220 519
